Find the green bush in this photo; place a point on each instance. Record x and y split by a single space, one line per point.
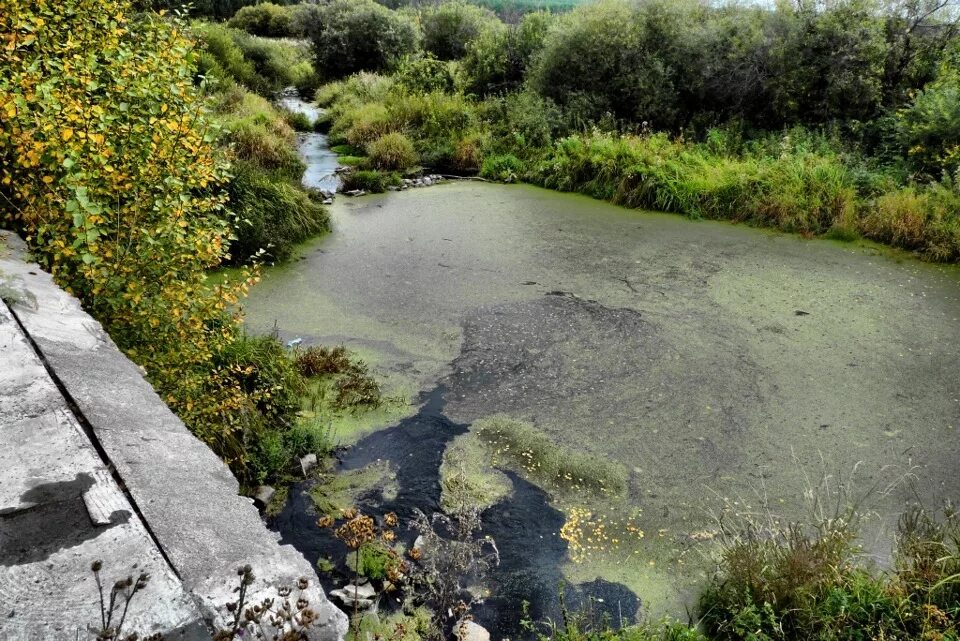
361 35
923 219
929 127
263 19
261 65
449 27
502 167
800 583
370 180
134 239
616 57
392 151
497 60
271 216
298 120
426 74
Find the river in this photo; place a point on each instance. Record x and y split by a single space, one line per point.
734 373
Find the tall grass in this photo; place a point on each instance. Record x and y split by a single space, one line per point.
796 181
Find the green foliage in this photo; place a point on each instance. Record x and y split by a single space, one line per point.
258 134
124 201
924 219
271 216
498 58
347 378
370 180
796 191
121 198
263 19
616 57
262 65
805 583
275 21
374 560
449 27
298 120
426 74
392 151
216 9
929 126
827 64
361 35
502 167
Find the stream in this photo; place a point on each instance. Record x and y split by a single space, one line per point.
732 372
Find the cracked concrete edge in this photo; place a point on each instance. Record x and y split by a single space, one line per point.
60 509
187 496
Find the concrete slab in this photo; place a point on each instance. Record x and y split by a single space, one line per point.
187 496
60 510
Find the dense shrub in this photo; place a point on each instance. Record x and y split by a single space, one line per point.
257 133
271 216
216 9
361 35
797 191
426 74
798 583
299 121
449 27
498 58
318 360
925 219
261 367
121 199
275 21
261 65
616 57
369 180
826 64
263 19
502 167
392 151
929 126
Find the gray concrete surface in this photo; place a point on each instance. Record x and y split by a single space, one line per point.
175 488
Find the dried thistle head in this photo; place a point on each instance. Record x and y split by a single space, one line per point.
415 553
358 530
391 519
325 521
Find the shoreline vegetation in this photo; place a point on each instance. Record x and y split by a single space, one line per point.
143 153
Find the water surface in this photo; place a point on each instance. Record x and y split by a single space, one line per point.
724 366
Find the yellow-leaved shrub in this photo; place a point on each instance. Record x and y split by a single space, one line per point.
109 168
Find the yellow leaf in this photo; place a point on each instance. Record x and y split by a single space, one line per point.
67 133
48 179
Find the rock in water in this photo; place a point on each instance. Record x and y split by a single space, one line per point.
307 463
263 494
469 631
359 596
